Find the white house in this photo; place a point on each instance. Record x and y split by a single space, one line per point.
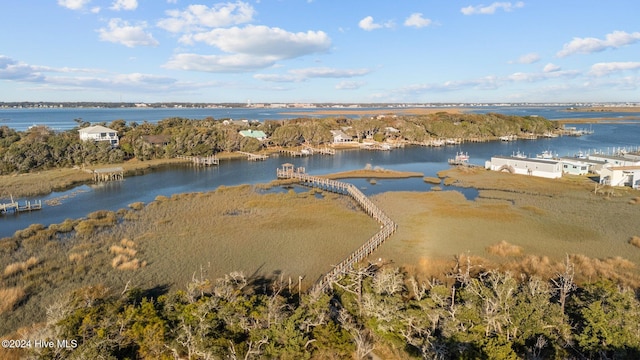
99 133
575 167
340 137
546 168
621 176
614 159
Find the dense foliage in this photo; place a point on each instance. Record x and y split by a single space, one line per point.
488 315
42 148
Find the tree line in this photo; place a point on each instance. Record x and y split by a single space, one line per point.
40 148
472 315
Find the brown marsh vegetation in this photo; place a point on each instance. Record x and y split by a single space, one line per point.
517 223
167 242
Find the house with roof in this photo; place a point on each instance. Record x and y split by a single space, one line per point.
546 168
621 176
575 166
256 134
99 133
339 137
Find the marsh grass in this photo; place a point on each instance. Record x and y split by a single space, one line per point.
635 241
504 249
18 267
10 297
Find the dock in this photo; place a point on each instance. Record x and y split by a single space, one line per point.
201 160
254 157
387 228
323 151
13 207
108 174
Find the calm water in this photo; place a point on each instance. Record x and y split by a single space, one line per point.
63 118
166 181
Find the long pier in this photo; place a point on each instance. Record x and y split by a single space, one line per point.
388 226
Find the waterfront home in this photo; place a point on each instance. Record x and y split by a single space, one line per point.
256 134
99 133
615 160
575 167
546 168
339 137
621 176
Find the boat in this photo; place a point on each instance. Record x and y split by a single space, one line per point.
460 159
519 155
547 154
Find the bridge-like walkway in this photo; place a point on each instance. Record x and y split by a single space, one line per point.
388 226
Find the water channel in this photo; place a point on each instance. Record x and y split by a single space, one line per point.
82 200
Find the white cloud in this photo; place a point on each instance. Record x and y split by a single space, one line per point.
219 63
199 17
298 75
551 68
124 5
368 24
122 32
416 20
350 85
490 9
590 45
527 59
263 41
602 69
73 4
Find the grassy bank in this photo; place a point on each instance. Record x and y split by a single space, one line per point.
165 243
521 223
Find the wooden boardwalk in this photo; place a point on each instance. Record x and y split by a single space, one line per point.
254 157
388 226
324 150
201 160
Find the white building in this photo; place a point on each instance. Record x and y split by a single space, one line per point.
575 167
99 133
614 159
551 169
339 137
621 176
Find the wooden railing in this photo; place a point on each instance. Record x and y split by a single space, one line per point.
386 230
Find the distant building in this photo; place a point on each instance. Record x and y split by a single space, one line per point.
157 140
621 176
615 159
551 169
99 133
256 134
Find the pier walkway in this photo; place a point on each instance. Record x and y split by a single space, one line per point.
254 157
108 174
388 226
201 160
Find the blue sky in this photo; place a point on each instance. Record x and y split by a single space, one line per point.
320 51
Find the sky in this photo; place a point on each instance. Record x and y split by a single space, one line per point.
312 51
